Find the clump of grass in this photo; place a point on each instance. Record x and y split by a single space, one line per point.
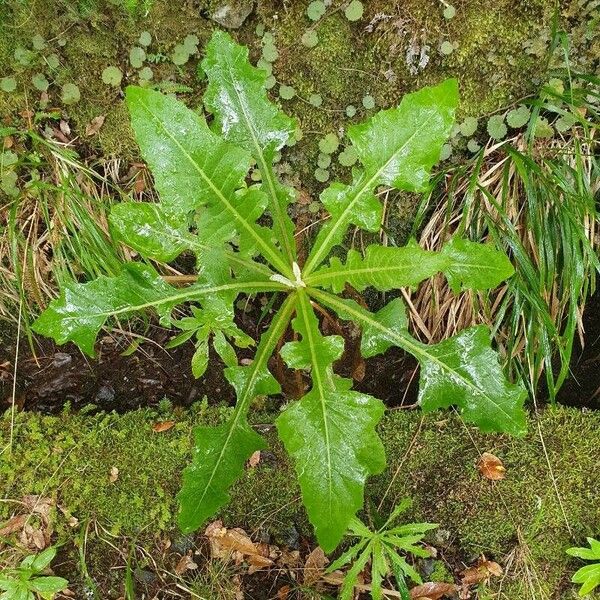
536 198
55 230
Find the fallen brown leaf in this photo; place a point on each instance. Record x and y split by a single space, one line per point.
314 566
254 459
94 126
491 467
113 474
236 544
13 525
283 592
185 563
480 573
162 426
433 590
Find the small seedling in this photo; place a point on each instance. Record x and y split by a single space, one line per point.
40 82
384 549
26 582
112 76
38 42
329 144
316 100
469 126
287 92
137 56
518 117
588 576
145 39
496 127
70 93
8 84
449 12
368 102
447 48
316 10
354 11
310 38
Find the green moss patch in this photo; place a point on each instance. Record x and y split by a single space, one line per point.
519 521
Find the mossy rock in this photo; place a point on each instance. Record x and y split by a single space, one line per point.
547 502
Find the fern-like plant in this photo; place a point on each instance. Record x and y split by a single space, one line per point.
384 549
206 207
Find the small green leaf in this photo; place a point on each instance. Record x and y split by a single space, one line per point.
53 61
449 12
38 42
310 38
112 76
350 110
70 93
8 84
518 117
146 74
321 175
43 560
565 122
368 102
469 126
446 152
347 157
40 82
496 127
190 43
316 10
542 128
324 161
23 56
180 55
48 585
269 53
316 100
473 146
287 92
329 144
447 47
200 359
354 10
145 38
137 56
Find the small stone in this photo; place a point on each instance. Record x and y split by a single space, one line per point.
105 394
233 13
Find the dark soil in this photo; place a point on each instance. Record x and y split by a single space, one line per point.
113 380
582 389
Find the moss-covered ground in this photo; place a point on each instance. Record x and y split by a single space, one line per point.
498 57
547 502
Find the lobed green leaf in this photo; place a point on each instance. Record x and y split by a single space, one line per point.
330 432
221 452
463 371
236 96
397 147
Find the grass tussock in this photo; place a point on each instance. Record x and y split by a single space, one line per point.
536 198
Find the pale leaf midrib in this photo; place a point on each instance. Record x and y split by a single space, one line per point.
413 348
272 255
260 360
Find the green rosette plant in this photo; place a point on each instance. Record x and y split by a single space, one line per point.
208 208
